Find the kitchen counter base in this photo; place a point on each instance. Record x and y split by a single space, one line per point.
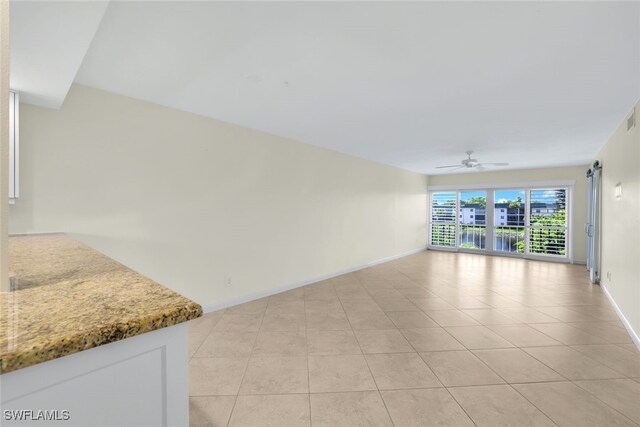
139 381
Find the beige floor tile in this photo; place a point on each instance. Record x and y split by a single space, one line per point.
523 335
280 344
490 316
401 371
498 301
416 292
567 334
431 304
370 320
516 366
317 293
385 293
253 307
339 373
328 322
210 411
238 323
359 293
289 410
285 307
315 306
293 294
622 395
284 322
451 318
464 302
498 405
361 409
199 329
328 343
571 364
398 304
431 339
382 341
430 407
478 337
528 315
614 357
275 375
227 344
568 405
411 319
566 314
205 323
460 368
630 347
360 306
215 376
612 332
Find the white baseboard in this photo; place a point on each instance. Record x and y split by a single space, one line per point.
625 322
268 292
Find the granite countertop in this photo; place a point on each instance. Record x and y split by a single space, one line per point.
69 297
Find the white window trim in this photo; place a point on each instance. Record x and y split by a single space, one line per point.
526 186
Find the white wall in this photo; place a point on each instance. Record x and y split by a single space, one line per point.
620 250
187 200
579 194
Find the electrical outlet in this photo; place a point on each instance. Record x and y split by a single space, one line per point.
227 281
608 275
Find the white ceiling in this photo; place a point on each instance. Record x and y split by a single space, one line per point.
409 84
48 42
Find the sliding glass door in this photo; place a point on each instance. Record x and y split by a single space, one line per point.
473 220
509 221
529 222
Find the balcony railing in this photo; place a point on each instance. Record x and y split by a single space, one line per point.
473 236
509 239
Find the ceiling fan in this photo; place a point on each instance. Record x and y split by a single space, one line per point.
470 163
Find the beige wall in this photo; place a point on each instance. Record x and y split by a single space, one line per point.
4 144
577 174
620 247
189 201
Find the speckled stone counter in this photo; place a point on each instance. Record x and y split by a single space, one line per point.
69 297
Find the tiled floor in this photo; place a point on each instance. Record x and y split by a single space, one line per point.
431 339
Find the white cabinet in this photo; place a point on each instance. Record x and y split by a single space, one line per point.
139 381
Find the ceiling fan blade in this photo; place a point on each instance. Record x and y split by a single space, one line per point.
496 164
450 166
457 167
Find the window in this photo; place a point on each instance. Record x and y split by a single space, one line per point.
548 231
529 222
473 231
443 219
508 236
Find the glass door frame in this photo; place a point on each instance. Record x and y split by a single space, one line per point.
490 223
